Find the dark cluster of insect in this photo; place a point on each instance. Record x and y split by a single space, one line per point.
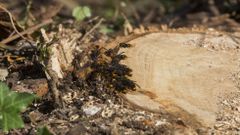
17 56
107 71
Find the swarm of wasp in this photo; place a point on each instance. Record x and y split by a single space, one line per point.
108 72
22 53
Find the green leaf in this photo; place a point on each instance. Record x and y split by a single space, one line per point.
11 120
109 13
105 30
43 131
87 11
80 13
11 104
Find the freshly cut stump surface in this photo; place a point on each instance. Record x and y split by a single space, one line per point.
185 74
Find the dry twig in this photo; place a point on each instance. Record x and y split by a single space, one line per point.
12 22
91 30
52 77
28 31
52 82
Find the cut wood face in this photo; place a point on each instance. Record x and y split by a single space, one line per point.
186 72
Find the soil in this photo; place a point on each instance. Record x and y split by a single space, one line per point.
184 62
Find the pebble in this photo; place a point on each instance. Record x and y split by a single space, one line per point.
159 123
106 113
3 73
91 110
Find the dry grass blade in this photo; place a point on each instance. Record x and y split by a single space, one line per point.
12 22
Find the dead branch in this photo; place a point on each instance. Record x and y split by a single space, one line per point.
52 76
12 22
28 31
92 29
52 82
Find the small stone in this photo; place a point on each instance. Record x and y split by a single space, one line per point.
224 102
218 125
106 113
3 73
160 123
91 110
91 97
139 118
74 117
35 116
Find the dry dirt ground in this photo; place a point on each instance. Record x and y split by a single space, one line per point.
189 79
186 74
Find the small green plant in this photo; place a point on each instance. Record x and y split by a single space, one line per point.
105 30
43 131
11 104
81 12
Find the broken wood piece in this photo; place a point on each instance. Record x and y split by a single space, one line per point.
61 57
